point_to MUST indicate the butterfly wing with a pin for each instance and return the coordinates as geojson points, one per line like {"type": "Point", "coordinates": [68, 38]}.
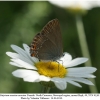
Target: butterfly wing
{"type": "Point", "coordinates": [47, 45]}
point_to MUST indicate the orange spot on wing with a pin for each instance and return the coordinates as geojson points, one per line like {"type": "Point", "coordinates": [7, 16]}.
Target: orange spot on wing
{"type": "Point", "coordinates": [32, 54]}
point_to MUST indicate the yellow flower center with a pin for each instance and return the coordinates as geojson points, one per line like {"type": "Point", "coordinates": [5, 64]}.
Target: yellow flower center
{"type": "Point", "coordinates": [77, 10]}
{"type": "Point", "coordinates": [51, 69]}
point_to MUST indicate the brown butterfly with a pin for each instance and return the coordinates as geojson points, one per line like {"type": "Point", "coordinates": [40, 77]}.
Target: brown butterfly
{"type": "Point", "coordinates": [47, 45]}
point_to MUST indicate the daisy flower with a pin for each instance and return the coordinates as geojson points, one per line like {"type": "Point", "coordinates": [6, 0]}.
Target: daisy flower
{"type": "Point", "coordinates": [78, 6]}
{"type": "Point", "coordinates": [33, 70]}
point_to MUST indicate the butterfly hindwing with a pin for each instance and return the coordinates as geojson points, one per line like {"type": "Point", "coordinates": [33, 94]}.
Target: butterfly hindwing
{"type": "Point", "coordinates": [47, 45]}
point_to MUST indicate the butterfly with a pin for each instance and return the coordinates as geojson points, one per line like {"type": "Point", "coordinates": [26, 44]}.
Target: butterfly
{"type": "Point", "coordinates": [47, 44]}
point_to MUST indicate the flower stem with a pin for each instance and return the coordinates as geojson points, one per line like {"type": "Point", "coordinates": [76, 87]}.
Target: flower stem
{"type": "Point", "coordinates": [46, 89]}
{"type": "Point", "coordinates": [84, 47]}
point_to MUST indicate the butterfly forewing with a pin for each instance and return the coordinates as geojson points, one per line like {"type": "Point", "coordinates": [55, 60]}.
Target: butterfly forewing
{"type": "Point", "coordinates": [47, 45]}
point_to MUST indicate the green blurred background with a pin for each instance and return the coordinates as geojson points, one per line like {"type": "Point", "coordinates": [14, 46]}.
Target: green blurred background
{"type": "Point", "coordinates": [20, 21]}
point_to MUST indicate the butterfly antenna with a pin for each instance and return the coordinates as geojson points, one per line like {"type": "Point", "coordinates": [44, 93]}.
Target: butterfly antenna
{"type": "Point", "coordinates": [59, 63]}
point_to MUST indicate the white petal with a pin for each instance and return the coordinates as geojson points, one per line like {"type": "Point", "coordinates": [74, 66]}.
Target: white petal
{"type": "Point", "coordinates": [19, 50]}
{"type": "Point", "coordinates": [15, 64]}
{"type": "Point", "coordinates": [56, 79]}
{"type": "Point", "coordinates": [35, 60]}
{"type": "Point", "coordinates": [65, 59]}
{"type": "Point", "coordinates": [81, 4]}
{"type": "Point", "coordinates": [72, 82]}
{"type": "Point", "coordinates": [22, 73]}
{"type": "Point", "coordinates": [33, 77]}
{"type": "Point", "coordinates": [59, 83]}
{"type": "Point", "coordinates": [85, 72]}
{"type": "Point", "coordinates": [82, 70]}
{"type": "Point", "coordinates": [67, 79]}
{"type": "Point", "coordinates": [12, 55]}
{"type": "Point", "coordinates": [82, 80]}
{"type": "Point", "coordinates": [27, 60]}
{"type": "Point", "coordinates": [18, 56]}
{"type": "Point", "coordinates": [76, 61]}
{"type": "Point", "coordinates": [23, 55]}
{"type": "Point", "coordinates": [27, 75]}
{"type": "Point", "coordinates": [24, 64]}
{"type": "Point", "coordinates": [80, 75]}
{"type": "Point", "coordinates": [44, 78]}
{"type": "Point", "coordinates": [27, 49]}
